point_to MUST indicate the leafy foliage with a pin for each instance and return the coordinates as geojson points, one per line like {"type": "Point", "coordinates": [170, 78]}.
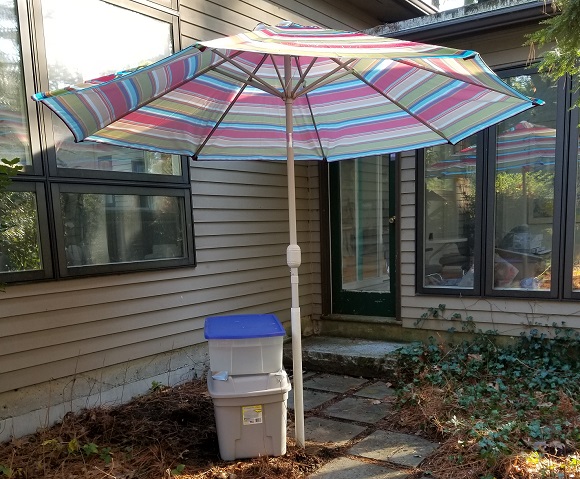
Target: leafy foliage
{"type": "Point", "coordinates": [508, 411]}
{"type": "Point", "coordinates": [6, 471]}
{"type": "Point", "coordinates": [8, 169]}
{"type": "Point", "coordinates": [562, 31]}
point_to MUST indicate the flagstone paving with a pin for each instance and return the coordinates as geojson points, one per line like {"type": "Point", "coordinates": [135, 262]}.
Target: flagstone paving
{"type": "Point", "coordinates": [322, 430]}
{"type": "Point", "coordinates": [378, 390]}
{"type": "Point", "coordinates": [345, 468]}
{"type": "Point", "coordinates": [343, 412]}
{"type": "Point", "coordinates": [359, 409]}
{"type": "Point", "coordinates": [403, 449]}
{"type": "Point", "coordinates": [334, 383]}
{"type": "Point", "coordinates": [312, 399]}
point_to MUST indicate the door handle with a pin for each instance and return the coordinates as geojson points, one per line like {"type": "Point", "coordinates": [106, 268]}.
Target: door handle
{"type": "Point", "coordinates": [392, 219]}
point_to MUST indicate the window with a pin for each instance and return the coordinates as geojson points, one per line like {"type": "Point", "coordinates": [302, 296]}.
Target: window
{"type": "Point", "coordinates": [572, 265]}
{"type": "Point", "coordinates": [494, 207]}
{"type": "Point", "coordinates": [103, 229]}
{"type": "Point", "coordinates": [14, 133]}
{"type": "Point", "coordinates": [450, 224]}
{"type": "Point", "coordinates": [85, 208]}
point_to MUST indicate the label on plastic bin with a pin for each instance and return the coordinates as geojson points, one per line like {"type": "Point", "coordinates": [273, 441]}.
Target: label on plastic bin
{"type": "Point", "coordinates": [251, 415]}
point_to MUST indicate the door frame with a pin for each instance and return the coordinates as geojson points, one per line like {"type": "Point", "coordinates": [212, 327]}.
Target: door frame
{"type": "Point", "coordinates": [335, 299]}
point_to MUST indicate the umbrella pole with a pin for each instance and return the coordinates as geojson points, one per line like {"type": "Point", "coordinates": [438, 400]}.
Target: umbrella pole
{"type": "Point", "coordinates": [293, 258]}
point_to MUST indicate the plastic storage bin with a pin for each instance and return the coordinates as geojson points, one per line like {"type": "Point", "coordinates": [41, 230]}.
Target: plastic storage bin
{"type": "Point", "coordinates": [245, 344]}
{"type": "Point", "coordinates": [250, 414]}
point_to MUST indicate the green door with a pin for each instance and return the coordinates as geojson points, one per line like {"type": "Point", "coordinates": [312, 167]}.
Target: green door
{"type": "Point", "coordinates": [362, 236]}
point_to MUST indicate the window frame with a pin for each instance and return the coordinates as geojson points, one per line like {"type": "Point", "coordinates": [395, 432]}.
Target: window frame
{"type": "Point", "coordinates": [562, 106]}
{"type": "Point", "coordinates": [43, 232]}
{"type": "Point", "coordinates": [128, 266]}
{"type": "Point", "coordinates": [420, 231]}
{"type": "Point", "coordinates": [573, 156]}
{"type": "Point", "coordinates": [566, 164]}
{"type": "Point", "coordinates": [89, 174]}
{"type": "Point", "coordinates": [47, 180]}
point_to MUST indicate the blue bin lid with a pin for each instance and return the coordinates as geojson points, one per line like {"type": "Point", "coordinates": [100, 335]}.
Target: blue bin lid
{"type": "Point", "coordinates": [243, 326]}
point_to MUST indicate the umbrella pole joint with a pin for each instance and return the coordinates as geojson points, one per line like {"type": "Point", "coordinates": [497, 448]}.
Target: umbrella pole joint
{"type": "Point", "coordinates": [293, 256]}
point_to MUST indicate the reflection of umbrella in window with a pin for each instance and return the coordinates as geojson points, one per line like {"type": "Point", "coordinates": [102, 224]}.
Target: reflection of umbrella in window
{"type": "Point", "coordinates": [524, 146]}
{"type": "Point", "coordinates": [13, 132]}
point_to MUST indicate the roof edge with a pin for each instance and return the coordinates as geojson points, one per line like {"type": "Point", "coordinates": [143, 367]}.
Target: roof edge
{"type": "Point", "coordinates": [469, 19]}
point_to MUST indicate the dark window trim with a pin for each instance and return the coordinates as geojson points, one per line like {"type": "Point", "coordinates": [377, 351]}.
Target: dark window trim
{"type": "Point", "coordinates": [420, 230]}
{"type": "Point", "coordinates": [28, 77]}
{"type": "Point", "coordinates": [571, 194]}
{"type": "Point", "coordinates": [45, 250]}
{"type": "Point", "coordinates": [561, 121]}
{"type": "Point", "coordinates": [65, 271]}
{"type": "Point", "coordinates": [564, 210]}
{"type": "Point", "coordinates": [88, 174]}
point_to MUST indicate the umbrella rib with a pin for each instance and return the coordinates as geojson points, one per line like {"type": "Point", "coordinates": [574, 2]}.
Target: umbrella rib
{"type": "Point", "coordinates": [282, 83]}
{"type": "Point", "coordinates": [257, 81]}
{"type": "Point", "coordinates": [382, 93]}
{"type": "Point", "coordinates": [302, 74]}
{"type": "Point", "coordinates": [227, 110]}
{"type": "Point", "coordinates": [329, 78]}
{"type": "Point", "coordinates": [249, 82]}
{"type": "Point", "coordinates": [302, 78]}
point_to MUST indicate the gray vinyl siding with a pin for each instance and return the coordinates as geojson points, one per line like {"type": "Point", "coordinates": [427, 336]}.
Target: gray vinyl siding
{"type": "Point", "coordinates": [507, 316]}
{"type": "Point", "coordinates": [56, 329]}
{"type": "Point", "coordinates": [203, 19]}
{"type": "Point", "coordinates": [59, 329]}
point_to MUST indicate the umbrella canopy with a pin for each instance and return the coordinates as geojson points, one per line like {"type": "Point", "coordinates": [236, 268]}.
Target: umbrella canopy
{"type": "Point", "coordinates": [292, 92]}
{"type": "Point", "coordinates": [347, 90]}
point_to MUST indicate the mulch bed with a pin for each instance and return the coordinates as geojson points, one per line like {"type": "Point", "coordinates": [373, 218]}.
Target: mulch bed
{"type": "Point", "coordinates": [169, 432]}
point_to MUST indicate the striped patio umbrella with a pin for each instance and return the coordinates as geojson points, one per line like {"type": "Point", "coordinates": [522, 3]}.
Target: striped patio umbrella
{"type": "Point", "coordinates": [292, 92]}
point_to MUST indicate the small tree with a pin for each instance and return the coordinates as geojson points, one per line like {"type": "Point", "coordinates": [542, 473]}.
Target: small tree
{"type": "Point", "coordinates": [560, 30]}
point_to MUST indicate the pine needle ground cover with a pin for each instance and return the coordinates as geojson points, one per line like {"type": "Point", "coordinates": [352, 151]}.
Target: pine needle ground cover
{"type": "Point", "coordinates": [166, 433]}
{"type": "Point", "coordinates": [505, 412]}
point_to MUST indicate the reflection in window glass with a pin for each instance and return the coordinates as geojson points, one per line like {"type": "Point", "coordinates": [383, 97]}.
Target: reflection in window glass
{"type": "Point", "coordinates": [132, 40]}
{"type": "Point", "coordinates": [524, 183]}
{"type": "Point", "coordinates": [450, 215]}
{"type": "Point", "coordinates": [14, 136]}
{"type": "Point", "coordinates": [19, 235]}
{"type": "Point", "coordinates": [104, 228]}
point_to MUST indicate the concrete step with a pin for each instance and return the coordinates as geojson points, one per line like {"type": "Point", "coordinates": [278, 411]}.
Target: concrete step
{"type": "Point", "coordinates": [352, 357]}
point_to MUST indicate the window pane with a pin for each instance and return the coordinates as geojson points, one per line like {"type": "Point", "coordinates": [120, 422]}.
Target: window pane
{"type": "Point", "coordinates": [131, 39]}
{"type": "Point", "coordinates": [576, 264]}
{"type": "Point", "coordinates": [14, 135]}
{"type": "Point", "coordinates": [113, 228]}
{"type": "Point", "coordinates": [364, 192]}
{"type": "Point", "coordinates": [524, 183]}
{"type": "Point", "coordinates": [19, 235]}
{"type": "Point", "coordinates": [450, 215]}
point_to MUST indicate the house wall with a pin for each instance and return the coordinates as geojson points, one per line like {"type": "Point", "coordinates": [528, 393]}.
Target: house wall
{"type": "Point", "coordinates": [507, 316]}
{"type": "Point", "coordinates": [100, 340]}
